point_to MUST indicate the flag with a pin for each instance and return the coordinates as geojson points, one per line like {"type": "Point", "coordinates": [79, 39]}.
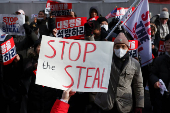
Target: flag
{"type": "Point", "coordinates": [112, 14]}
{"type": "Point", "coordinates": [138, 25]}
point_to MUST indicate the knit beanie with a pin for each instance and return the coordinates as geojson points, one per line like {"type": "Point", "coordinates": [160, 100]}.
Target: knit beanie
{"type": "Point", "coordinates": [121, 39]}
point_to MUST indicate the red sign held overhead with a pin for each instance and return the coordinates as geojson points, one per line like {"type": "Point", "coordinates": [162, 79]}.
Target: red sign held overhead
{"type": "Point", "coordinates": [7, 51]}
{"type": "Point", "coordinates": [58, 9]}
{"type": "Point", "coordinates": [71, 28]}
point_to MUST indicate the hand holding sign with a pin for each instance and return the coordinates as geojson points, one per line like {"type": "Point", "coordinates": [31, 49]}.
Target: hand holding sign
{"type": "Point", "coordinates": [83, 65]}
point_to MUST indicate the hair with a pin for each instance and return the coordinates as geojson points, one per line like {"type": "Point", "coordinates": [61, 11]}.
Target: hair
{"type": "Point", "coordinates": [96, 25]}
{"type": "Point", "coordinates": [74, 14]}
{"type": "Point", "coordinates": [43, 11]}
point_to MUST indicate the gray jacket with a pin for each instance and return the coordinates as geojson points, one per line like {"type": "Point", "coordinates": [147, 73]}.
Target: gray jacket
{"type": "Point", "coordinates": [120, 90]}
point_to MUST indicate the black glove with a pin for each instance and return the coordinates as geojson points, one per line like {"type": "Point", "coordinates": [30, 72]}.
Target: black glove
{"type": "Point", "coordinates": [27, 29]}
{"type": "Point", "coordinates": [88, 28]}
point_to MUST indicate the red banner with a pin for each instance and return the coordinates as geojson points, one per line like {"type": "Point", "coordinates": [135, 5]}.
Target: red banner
{"type": "Point", "coordinates": [58, 9]}
{"type": "Point", "coordinates": [161, 49]}
{"type": "Point", "coordinates": [160, 1]}
{"type": "Point", "coordinates": [71, 28]}
{"type": "Point", "coordinates": [7, 51]}
{"type": "Point", "coordinates": [95, 18]}
{"type": "Point", "coordinates": [121, 11]}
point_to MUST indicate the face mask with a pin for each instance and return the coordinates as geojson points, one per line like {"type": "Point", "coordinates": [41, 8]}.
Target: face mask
{"type": "Point", "coordinates": [105, 26]}
{"type": "Point", "coordinates": [120, 52]}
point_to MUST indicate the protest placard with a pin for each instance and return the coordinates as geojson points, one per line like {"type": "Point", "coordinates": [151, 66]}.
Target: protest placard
{"type": "Point", "coordinates": [7, 49]}
{"type": "Point", "coordinates": [85, 66]}
{"type": "Point", "coordinates": [58, 9]}
{"type": "Point", "coordinates": [71, 28]}
{"type": "Point", "coordinates": [12, 24]}
{"type": "Point", "coordinates": [161, 49]}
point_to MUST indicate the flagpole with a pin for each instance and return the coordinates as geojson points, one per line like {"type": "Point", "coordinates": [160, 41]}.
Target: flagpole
{"type": "Point", "coordinates": [122, 18]}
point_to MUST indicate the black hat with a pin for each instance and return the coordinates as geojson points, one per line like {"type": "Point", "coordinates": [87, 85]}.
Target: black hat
{"type": "Point", "coordinates": [167, 37]}
{"type": "Point", "coordinates": [101, 19]}
{"type": "Point", "coordinates": [34, 26]}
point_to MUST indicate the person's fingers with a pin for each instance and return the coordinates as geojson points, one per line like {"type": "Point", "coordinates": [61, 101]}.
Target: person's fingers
{"type": "Point", "coordinates": [69, 89]}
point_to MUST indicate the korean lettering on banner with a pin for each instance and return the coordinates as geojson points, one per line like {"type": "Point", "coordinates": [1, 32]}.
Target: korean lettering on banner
{"type": "Point", "coordinates": [121, 11]}
{"type": "Point", "coordinates": [71, 28]}
{"type": "Point", "coordinates": [12, 24]}
{"type": "Point", "coordinates": [58, 9]}
{"type": "Point", "coordinates": [74, 63]}
{"type": "Point", "coordinates": [161, 49]}
{"type": "Point", "coordinates": [133, 47]}
{"type": "Point", "coordinates": [7, 52]}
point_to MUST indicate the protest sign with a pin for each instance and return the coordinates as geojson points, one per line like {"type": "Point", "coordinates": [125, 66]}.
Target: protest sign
{"type": "Point", "coordinates": [161, 49]}
{"type": "Point", "coordinates": [138, 25]}
{"type": "Point", "coordinates": [94, 18]}
{"type": "Point", "coordinates": [133, 47]}
{"type": "Point", "coordinates": [119, 12]}
{"type": "Point", "coordinates": [12, 24]}
{"type": "Point", "coordinates": [85, 66]}
{"type": "Point", "coordinates": [71, 28]}
{"type": "Point", "coordinates": [7, 49]}
{"type": "Point", "coordinates": [58, 9]}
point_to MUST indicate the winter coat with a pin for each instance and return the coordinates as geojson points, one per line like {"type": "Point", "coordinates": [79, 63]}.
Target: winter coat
{"type": "Point", "coordinates": [60, 107]}
{"type": "Point", "coordinates": [40, 98]}
{"type": "Point", "coordinates": [120, 90]}
{"type": "Point", "coordinates": [156, 20]}
{"type": "Point", "coordinates": [10, 81]}
{"type": "Point", "coordinates": [160, 70]}
{"type": "Point", "coordinates": [104, 34]}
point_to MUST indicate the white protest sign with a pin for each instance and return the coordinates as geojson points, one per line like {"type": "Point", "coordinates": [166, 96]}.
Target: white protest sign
{"type": "Point", "coordinates": [84, 65]}
{"type": "Point", "coordinates": [12, 24]}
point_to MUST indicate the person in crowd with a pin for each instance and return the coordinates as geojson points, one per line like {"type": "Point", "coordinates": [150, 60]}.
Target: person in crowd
{"type": "Point", "coordinates": [161, 70]}
{"type": "Point", "coordinates": [10, 85]}
{"type": "Point", "coordinates": [125, 75]}
{"type": "Point", "coordinates": [93, 31]}
{"type": "Point", "coordinates": [45, 25]}
{"type": "Point", "coordinates": [105, 28]}
{"type": "Point", "coordinates": [73, 14]}
{"type": "Point", "coordinates": [162, 24]}
{"type": "Point", "coordinates": [93, 13]}
{"type": "Point", "coordinates": [154, 47]}
{"type": "Point", "coordinates": [62, 106]}
{"type": "Point", "coordinates": [40, 98]}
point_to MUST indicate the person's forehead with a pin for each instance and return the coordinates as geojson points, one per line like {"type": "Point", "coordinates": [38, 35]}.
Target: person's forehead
{"type": "Point", "coordinates": [103, 22]}
{"type": "Point", "coordinates": [96, 30]}
{"type": "Point", "coordinates": [167, 40]}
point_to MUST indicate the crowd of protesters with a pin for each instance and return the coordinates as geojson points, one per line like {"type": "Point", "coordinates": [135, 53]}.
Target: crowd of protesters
{"type": "Point", "coordinates": [127, 78]}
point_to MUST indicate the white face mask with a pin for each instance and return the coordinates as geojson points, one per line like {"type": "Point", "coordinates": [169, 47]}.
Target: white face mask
{"type": "Point", "coordinates": [105, 26]}
{"type": "Point", "coordinates": [120, 52]}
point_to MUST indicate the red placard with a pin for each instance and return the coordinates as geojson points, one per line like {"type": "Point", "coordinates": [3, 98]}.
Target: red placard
{"type": "Point", "coordinates": [7, 51]}
{"type": "Point", "coordinates": [161, 49]}
{"type": "Point", "coordinates": [58, 9]}
{"type": "Point", "coordinates": [95, 18]}
{"type": "Point", "coordinates": [71, 28]}
{"type": "Point", "coordinates": [160, 1]}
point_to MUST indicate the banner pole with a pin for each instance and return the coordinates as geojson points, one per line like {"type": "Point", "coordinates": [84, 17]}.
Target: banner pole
{"type": "Point", "coordinates": [121, 19]}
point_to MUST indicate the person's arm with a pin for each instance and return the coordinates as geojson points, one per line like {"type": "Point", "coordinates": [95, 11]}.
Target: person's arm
{"type": "Point", "coordinates": [153, 78]}
{"type": "Point", "coordinates": [138, 89]}
{"type": "Point", "coordinates": [62, 106]}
